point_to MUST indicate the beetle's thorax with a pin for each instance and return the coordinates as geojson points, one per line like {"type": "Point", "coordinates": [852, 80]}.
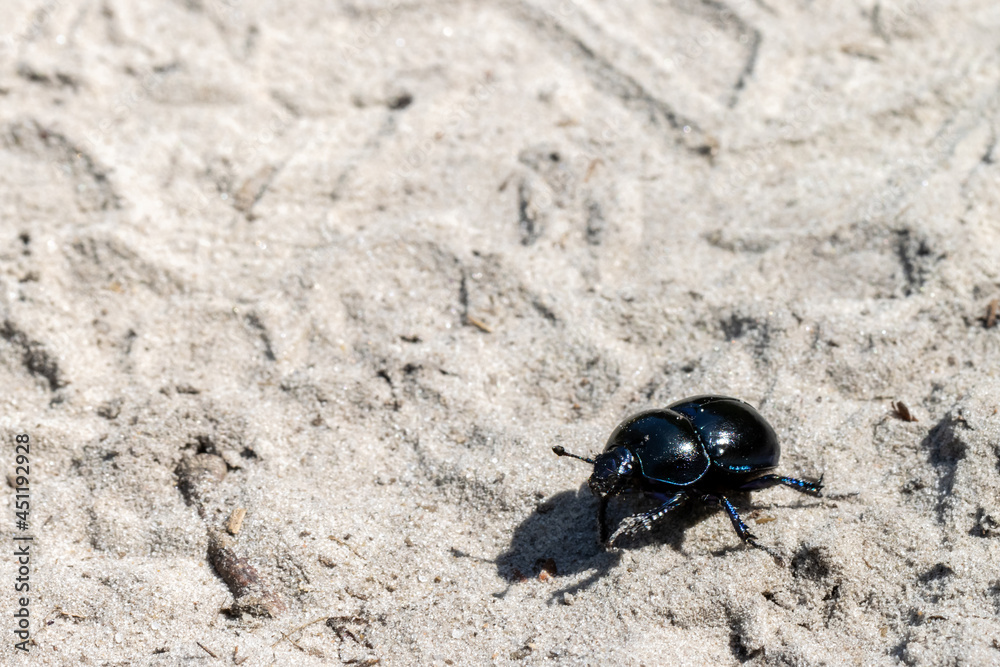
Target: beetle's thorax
{"type": "Point", "coordinates": [612, 471]}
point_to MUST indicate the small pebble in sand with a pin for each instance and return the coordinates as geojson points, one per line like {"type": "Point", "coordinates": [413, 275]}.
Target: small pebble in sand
{"type": "Point", "coordinates": [900, 410]}
{"type": "Point", "coordinates": [235, 521]}
{"type": "Point", "coordinates": [992, 311]}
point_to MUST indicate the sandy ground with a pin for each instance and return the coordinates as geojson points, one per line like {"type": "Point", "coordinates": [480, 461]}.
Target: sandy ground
{"type": "Point", "coordinates": [356, 267]}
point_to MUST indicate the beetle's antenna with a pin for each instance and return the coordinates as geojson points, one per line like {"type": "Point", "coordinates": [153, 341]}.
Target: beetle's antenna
{"type": "Point", "coordinates": [562, 452]}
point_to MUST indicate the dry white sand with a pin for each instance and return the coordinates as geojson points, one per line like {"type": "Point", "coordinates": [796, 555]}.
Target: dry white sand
{"type": "Point", "coordinates": [357, 267]}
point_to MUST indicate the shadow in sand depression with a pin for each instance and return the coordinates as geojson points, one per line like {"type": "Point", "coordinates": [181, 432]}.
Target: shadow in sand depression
{"type": "Point", "coordinates": [561, 538]}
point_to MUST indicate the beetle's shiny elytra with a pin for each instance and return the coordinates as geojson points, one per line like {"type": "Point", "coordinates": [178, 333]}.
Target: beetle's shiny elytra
{"type": "Point", "coordinates": [701, 447]}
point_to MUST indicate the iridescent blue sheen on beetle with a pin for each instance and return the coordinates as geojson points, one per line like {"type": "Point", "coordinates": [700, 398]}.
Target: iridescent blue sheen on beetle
{"type": "Point", "coordinates": [699, 448]}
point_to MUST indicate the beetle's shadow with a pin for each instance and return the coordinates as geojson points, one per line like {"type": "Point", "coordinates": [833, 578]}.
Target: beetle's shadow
{"type": "Point", "coordinates": [562, 537]}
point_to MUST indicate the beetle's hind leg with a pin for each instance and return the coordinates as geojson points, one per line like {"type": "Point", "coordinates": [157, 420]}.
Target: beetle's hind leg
{"type": "Point", "coordinates": [813, 488]}
{"type": "Point", "coordinates": [742, 530]}
{"type": "Point", "coordinates": [643, 522]}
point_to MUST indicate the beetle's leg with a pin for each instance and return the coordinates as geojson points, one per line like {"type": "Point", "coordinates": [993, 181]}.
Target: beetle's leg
{"type": "Point", "coordinates": [643, 522]}
{"type": "Point", "coordinates": [602, 518]}
{"type": "Point", "coordinates": [813, 488]}
{"type": "Point", "coordinates": [743, 531]}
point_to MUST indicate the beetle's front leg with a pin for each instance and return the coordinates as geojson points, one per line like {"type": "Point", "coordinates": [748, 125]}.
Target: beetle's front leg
{"type": "Point", "coordinates": [642, 523]}
{"type": "Point", "coordinates": [602, 510]}
{"type": "Point", "coordinates": [602, 518]}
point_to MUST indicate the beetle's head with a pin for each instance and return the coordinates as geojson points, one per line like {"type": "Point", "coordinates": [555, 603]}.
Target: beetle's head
{"type": "Point", "coordinates": [612, 471]}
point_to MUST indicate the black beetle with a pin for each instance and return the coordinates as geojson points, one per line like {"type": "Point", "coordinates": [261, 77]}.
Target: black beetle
{"type": "Point", "coordinates": [701, 447]}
